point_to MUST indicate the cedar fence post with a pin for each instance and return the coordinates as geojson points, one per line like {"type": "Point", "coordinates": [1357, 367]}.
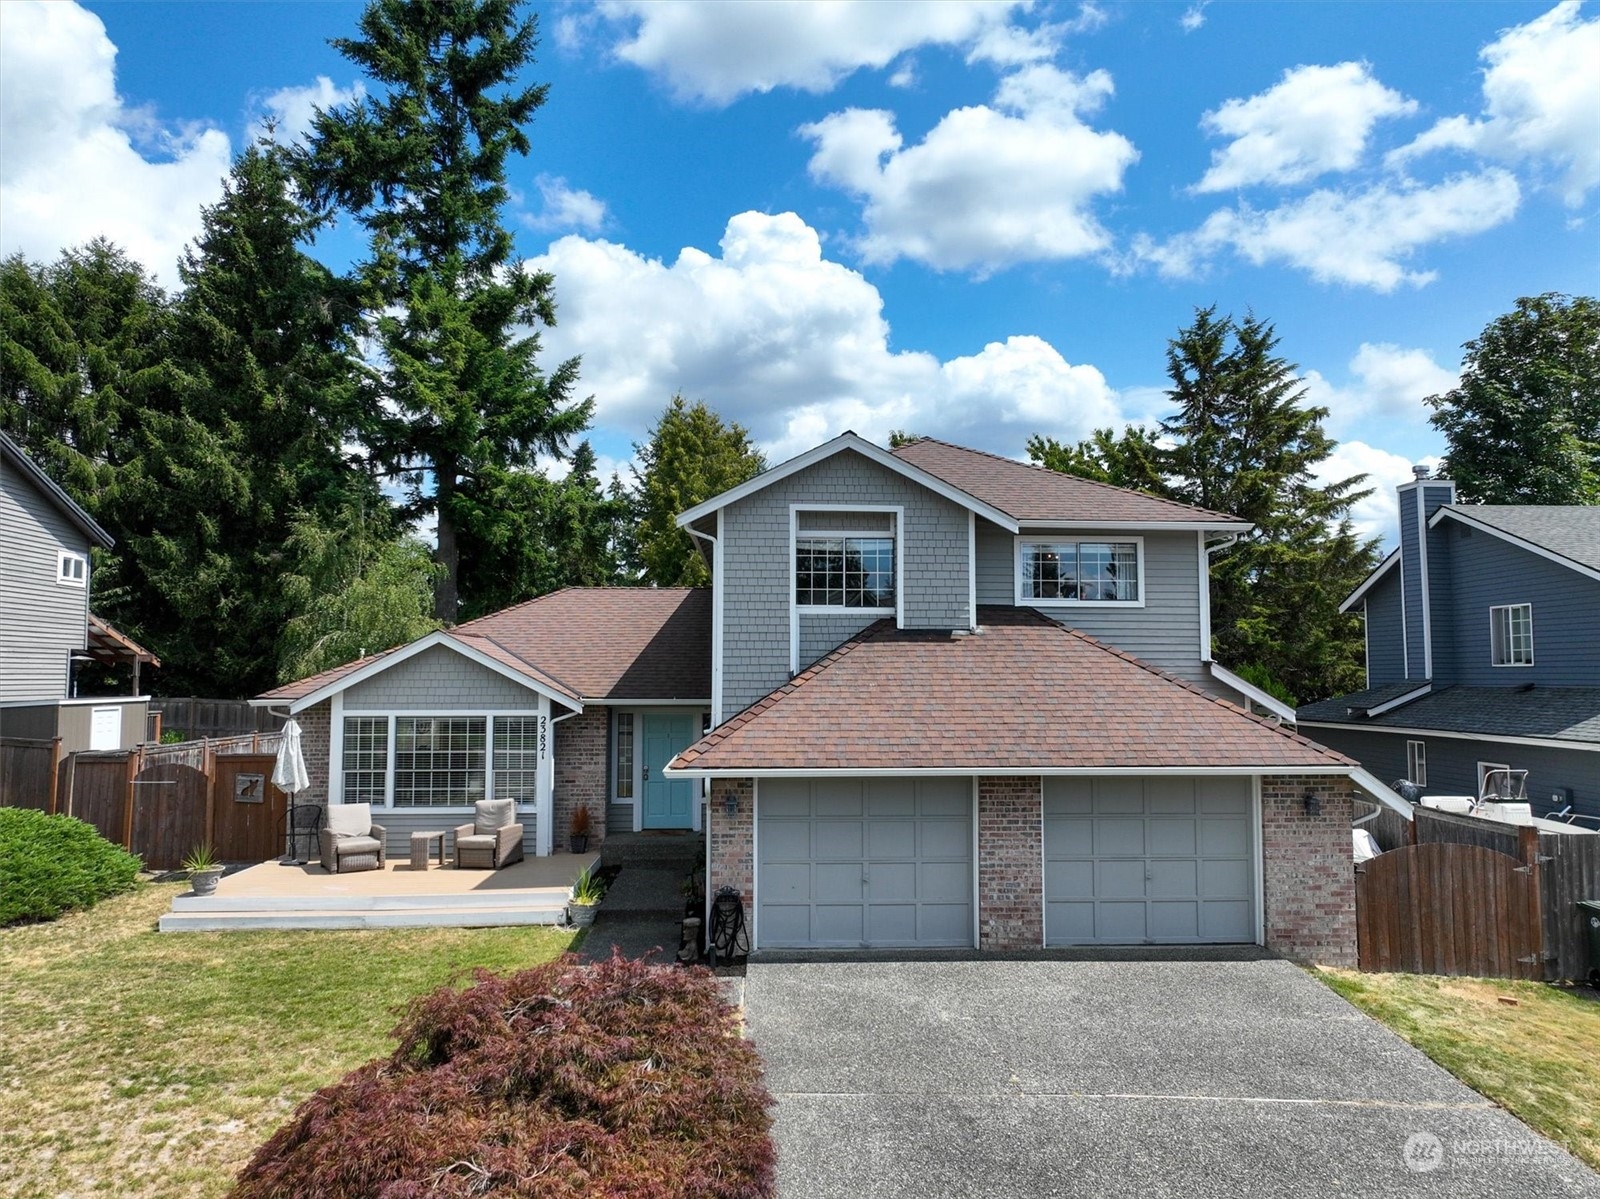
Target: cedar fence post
{"type": "Point", "coordinates": [55, 773]}
{"type": "Point", "coordinates": [127, 803]}
{"type": "Point", "coordinates": [1528, 851]}
{"type": "Point", "coordinates": [208, 767]}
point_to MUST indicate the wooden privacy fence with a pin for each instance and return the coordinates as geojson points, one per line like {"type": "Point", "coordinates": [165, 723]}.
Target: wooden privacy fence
{"type": "Point", "coordinates": [28, 771]}
{"type": "Point", "coordinates": [1444, 899]}
{"type": "Point", "coordinates": [197, 718]}
{"type": "Point", "coordinates": [161, 801]}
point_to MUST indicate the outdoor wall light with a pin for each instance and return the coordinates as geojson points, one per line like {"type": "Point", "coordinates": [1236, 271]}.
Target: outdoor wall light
{"type": "Point", "coordinates": [1313, 803]}
{"type": "Point", "coordinates": [730, 805]}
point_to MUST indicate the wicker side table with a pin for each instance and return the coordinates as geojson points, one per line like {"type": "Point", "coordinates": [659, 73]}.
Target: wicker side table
{"type": "Point", "coordinates": [422, 845]}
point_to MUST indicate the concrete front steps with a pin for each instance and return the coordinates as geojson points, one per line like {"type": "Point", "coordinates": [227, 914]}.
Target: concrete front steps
{"type": "Point", "coordinates": [490, 909]}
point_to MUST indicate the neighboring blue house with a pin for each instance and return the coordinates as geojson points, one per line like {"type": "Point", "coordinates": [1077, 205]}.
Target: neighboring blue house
{"type": "Point", "coordinates": [1483, 650]}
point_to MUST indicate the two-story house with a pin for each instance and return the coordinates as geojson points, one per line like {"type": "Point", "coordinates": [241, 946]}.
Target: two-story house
{"type": "Point", "coordinates": [932, 698]}
{"type": "Point", "coordinates": [46, 627]}
{"type": "Point", "coordinates": [1483, 651]}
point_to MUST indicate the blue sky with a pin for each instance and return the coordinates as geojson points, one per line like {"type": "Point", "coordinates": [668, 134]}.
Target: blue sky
{"type": "Point", "coordinates": [974, 220]}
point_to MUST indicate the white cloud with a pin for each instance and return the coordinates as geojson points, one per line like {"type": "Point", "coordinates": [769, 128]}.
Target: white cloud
{"type": "Point", "coordinates": [1541, 94]}
{"type": "Point", "coordinates": [1193, 17]}
{"type": "Point", "coordinates": [1379, 514]}
{"type": "Point", "coordinates": [1387, 383]}
{"type": "Point", "coordinates": [989, 186]}
{"type": "Point", "coordinates": [565, 207]}
{"type": "Point", "coordinates": [291, 110]}
{"type": "Point", "coordinates": [71, 170]}
{"type": "Point", "coordinates": [795, 347]}
{"type": "Point", "coordinates": [1314, 120]}
{"type": "Point", "coordinates": [715, 53]}
{"type": "Point", "coordinates": [1360, 238]}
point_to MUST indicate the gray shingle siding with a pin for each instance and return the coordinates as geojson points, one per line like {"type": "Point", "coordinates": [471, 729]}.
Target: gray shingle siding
{"type": "Point", "coordinates": [1453, 764]}
{"type": "Point", "coordinates": [756, 568]}
{"type": "Point", "coordinates": [1165, 632]}
{"type": "Point", "coordinates": [44, 621]}
{"type": "Point", "coordinates": [820, 635]}
{"type": "Point", "coordinates": [1385, 643]}
{"type": "Point", "coordinates": [1566, 613]}
{"type": "Point", "coordinates": [439, 680]}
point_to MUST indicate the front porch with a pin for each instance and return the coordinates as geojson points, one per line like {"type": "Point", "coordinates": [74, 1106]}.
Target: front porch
{"type": "Point", "coordinates": [273, 895]}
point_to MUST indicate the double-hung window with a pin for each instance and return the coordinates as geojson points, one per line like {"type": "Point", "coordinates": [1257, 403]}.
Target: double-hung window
{"type": "Point", "coordinates": [1417, 762]}
{"type": "Point", "coordinates": [72, 569]}
{"type": "Point", "coordinates": [1511, 635]}
{"type": "Point", "coordinates": [845, 560]}
{"type": "Point", "coordinates": [1062, 571]}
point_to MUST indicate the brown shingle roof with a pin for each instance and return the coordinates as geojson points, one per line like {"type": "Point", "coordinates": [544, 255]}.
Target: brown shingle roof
{"type": "Point", "coordinates": [597, 643]}
{"type": "Point", "coordinates": [1024, 694]}
{"type": "Point", "coordinates": [1033, 494]}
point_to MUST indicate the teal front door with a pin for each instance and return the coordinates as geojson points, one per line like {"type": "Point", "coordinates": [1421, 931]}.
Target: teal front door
{"type": "Point", "coordinates": [668, 803]}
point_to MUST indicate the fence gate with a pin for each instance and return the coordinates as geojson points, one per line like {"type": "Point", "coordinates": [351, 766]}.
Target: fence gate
{"type": "Point", "coordinates": [169, 814]}
{"type": "Point", "coordinates": [250, 811]}
{"type": "Point", "coordinates": [1442, 908]}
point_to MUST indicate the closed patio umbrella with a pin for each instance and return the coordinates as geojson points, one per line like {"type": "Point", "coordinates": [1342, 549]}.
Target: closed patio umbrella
{"type": "Point", "coordinates": [289, 774]}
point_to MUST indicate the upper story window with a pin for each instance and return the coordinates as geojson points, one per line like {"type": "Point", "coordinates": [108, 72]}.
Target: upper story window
{"type": "Point", "coordinates": [1511, 635]}
{"type": "Point", "coordinates": [845, 560]}
{"type": "Point", "coordinates": [72, 569]}
{"type": "Point", "coordinates": [1060, 571]}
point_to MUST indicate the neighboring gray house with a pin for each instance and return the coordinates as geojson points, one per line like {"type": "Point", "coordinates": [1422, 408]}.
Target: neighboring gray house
{"type": "Point", "coordinates": [932, 698]}
{"type": "Point", "coordinates": [1483, 650]}
{"type": "Point", "coordinates": [46, 628]}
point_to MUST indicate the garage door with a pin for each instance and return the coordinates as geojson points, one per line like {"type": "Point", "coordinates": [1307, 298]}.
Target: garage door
{"type": "Point", "coordinates": [1149, 861]}
{"type": "Point", "coordinates": [863, 862]}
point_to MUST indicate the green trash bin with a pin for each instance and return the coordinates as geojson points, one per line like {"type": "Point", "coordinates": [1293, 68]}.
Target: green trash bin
{"type": "Point", "coordinates": [1589, 909]}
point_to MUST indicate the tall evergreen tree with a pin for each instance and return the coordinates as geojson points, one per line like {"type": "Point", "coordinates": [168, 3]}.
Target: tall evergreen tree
{"type": "Point", "coordinates": [691, 455]}
{"type": "Point", "coordinates": [457, 405]}
{"type": "Point", "coordinates": [1132, 459]}
{"type": "Point", "coordinates": [1523, 425]}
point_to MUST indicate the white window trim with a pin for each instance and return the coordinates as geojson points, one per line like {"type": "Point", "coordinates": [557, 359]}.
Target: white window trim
{"type": "Point", "coordinates": [1417, 762]}
{"type": "Point", "coordinates": [1484, 768]}
{"type": "Point", "coordinates": [336, 751]}
{"type": "Point", "coordinates": [63, 559]}
{"type": "Point", "coordinates": [1021, 543]}
{"type": "Point", "coordinates": [1508, 608]}
{"type": "Point", "coordinates": [796, 611]}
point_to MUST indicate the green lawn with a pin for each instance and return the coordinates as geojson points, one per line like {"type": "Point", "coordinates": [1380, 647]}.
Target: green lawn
{"type": "Point", "coordinates": [139, 1064]}
{"type": "Point", "coordinates": [1537, 1057]}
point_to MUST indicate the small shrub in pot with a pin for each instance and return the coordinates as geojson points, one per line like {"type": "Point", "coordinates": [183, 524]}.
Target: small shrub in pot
{"type": "Point", "coordinates": [580, 829]}
{"type": "Point", "coordinates": [204, 870]}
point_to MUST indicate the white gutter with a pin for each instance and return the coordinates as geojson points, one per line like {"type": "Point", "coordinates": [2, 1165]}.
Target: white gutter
{"type": "Point", "coordinates": [1265, 699]}
{"type": "Point", "coordinates": [545, 833]}
{"type": "Point", "coordinates": [1207, 548]}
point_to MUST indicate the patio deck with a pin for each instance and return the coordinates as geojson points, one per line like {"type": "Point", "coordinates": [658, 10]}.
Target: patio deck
{"type": "Point", "coordinates": [273, 895]}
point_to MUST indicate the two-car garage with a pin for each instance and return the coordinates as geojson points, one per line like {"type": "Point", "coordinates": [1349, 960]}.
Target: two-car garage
{"type": "Point", "coordinates": [888, 862]}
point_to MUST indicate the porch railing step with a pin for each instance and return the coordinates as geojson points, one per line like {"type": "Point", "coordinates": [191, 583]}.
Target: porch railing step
{"type": "Point", "coordinates": [522, 898]}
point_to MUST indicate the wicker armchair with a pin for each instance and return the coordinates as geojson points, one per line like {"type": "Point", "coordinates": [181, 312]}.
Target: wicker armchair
{"type": "Point", "coordinates": [493, 839]}
{"type": "Point", "coordinates": [350, 841]}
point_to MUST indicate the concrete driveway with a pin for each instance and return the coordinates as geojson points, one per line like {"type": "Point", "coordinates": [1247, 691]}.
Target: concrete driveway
{"type": "Point", "coordinates": [939, 1080]}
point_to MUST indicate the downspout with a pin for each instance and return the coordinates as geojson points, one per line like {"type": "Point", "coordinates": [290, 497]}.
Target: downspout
{"type": "Point", "coordinates": [716, 703]}
{"type": "Point", "coordinates": [1208, 548]}
{"type": "Point", "coordinates": [555, 720]}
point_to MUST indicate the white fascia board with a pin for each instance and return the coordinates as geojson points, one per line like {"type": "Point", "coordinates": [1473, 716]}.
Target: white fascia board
{"type": "Point", "coordinates": [1453, 735]}
{"type": "Point", "coordinates": [610, 701]}
{"type": "Point", "coordinates": [1003, 771]}
{"type": "Point", "coordinates": [1465, 517]}
{"type": "Point", "coordinates": [1128, 526]}
{"type": "Point", "coordinates": [1400, 701]}
{"type": "Point", "coordinates": [78, 701]}
{"type": "Point", "coordinates": [1270, 702]}
{"type": "Point", "coordinates": [849, 441]}
{"type": "Point", "coordinates": [1369, 783]}
{"type": "Point", "coordinates": [439, 637]}
{"type": "Point", "coordinates": [1360, 593]}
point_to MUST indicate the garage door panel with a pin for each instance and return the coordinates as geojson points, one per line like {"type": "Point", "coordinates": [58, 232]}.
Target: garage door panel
{"type": "Point", "coordinates": [1115, 879]}
{"type": "Point", "coordinates": [845, 802]}
{"type": "Point", "coordinates": [791, 801]}
{"type": "Point", "coordinates": [1228, 920]}
{"type": "Point", "coordinates": [1175, 921]}
{"type": "Point", "coordinates": [892, 924]}
{"type": "Point", "coordinates": [891, 797]}
{"type": "Point", "coordinates": [891, 839]}
{"type": "Point", "coordinates": [786, 840]}
{"type": "Point", "coordinates": [944, 924]}
{"type": "Point", "coordinates": [948, 882]}
{"type": "Point", "coordinates": [838, 881]}
{"type": "Point", "coordinates": [891, 881]}
{"type": "Point", "coordinates": [785, 924]}
{"type": "Point", "coordinates": [834, 839]}
{"type": "Point", "coordinates": [1069, 880]}
{"type": "Point", "coordinates": [1157, 859]}
{"type": "Point", "coordinates": [1173, 837]}
{"type": "Point", "coordinates": [839, 924]}
{"type": "Point", "coordinates": [787, 882]}
{"type": "Point", "coordinates": [945, 797]}
{"type": "Point", "coordinates": [1176, 879]}
{"type": "Point", "coordinates": [945, 839]}
{"type": "Point", "coordinates": [1115, 835]}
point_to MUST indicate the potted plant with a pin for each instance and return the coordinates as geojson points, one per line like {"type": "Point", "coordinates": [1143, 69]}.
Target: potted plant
{"type": "Point", "coordinates": [587, 892]}
{"type": "Point", "coordinates": [580, 829]}
{"type": "Point", "coordinates": [204, 869]}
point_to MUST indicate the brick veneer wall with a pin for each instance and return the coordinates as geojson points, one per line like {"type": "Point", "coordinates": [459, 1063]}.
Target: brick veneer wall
{"type": "Point", "coordinates": [1010, 866]}
{"type": "Point", "coordinates": [1309, 879]}
{"type": "Point", "coordinates": [581, 748]}
{"type": "Point", "coordinates": [733, 840]}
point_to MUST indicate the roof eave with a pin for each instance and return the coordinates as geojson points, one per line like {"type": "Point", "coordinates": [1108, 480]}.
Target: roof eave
{"type": "Point", "coordinates": [1360, 593]}
{"type": "Point", "coordinates": [964, 771]}
{"type": "Point", "coordinates": [56, 495]}
{"type": "Point", "coordinates": [1456, 512]}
